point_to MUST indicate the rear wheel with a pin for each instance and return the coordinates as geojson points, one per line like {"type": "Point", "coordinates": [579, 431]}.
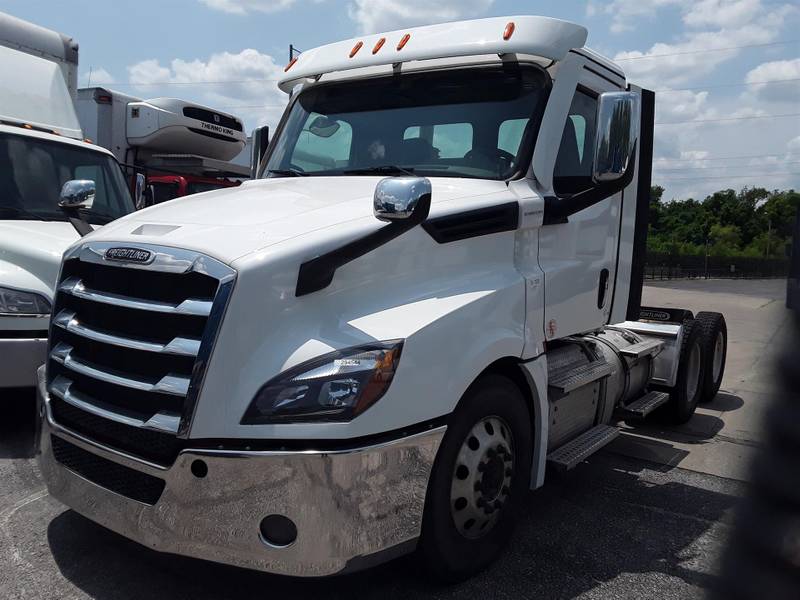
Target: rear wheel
{"type": "Point", "coordinates": [479, 479]}
{"type": "Point", "coordinates": [715, 350]}
{"type": "Point", "coordinates": [688, 385]}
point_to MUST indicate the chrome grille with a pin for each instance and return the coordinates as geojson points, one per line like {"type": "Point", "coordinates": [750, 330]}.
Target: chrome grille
{"type": "Point", "coordinates": [129, 342]}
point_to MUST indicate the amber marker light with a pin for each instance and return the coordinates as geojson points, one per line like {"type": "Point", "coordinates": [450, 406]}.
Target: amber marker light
{"type": "Point", "coordinates": [509, 31]}
{"type": "Point", "coordinates": [355, 49]}
{"type": "Point", "coordinates": [290, 65]}
{"type": "Point", "coordinates": [403, 41]}
{"type": "Point", "coordinates": [379, 45]}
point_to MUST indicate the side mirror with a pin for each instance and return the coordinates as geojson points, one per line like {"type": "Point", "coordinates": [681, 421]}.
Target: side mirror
{"type": "Point", "coordinates": [618, 116]}
{"type": "Point", "coordinates": [260, 143]}
{"type": "Point", "coordinates": [77, 194]}
{"type": "Point", "coordinates": [402, 198]}
{"type": "Point", "coordinates": [139, 194]}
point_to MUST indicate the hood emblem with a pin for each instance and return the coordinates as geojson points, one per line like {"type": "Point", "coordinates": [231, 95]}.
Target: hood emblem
{"type": "Point", "coordinates": [136, 255]}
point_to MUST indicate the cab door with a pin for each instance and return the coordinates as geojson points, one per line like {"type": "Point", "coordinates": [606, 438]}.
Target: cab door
{"type": "Point", "coordinates": [578, 255]}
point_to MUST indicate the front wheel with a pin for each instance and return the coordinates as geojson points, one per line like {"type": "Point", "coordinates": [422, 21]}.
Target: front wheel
{"type": "Point", "coordinates": [479, 479]}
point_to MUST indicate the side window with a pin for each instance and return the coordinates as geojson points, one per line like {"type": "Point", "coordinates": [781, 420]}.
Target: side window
{"type": "Point", "coordinates": [453, 140]}
{"type": "Point", "coordinates": [573, 169]}
{"type": "Point", "coordinates": [323, 144]}
{"type": "Point", "coordinates": [509, 136]}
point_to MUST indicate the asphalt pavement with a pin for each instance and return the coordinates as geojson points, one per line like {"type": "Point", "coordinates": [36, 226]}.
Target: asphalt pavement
{"type": "Point", "coordinates": [646, 518]}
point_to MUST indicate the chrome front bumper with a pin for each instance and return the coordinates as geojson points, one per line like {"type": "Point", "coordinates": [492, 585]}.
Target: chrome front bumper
{"type": "Point", "coordinates": [352, 508]}
{"type": "Point", "coordinates": [21, 358]}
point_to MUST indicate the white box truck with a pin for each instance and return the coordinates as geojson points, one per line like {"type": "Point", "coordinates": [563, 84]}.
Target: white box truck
{"type": "Point", "coordinates": [41, 149]}
{"type": "Point", "coordinates": [430, 293]}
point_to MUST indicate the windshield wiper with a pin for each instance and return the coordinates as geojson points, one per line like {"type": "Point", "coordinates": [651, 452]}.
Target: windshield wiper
{"type": "Point", "coordinates": [380, 170]}
{"type": "Point", "coordinates": [287, 172]}
{"type": "Point", "coordinates": [22, 212]}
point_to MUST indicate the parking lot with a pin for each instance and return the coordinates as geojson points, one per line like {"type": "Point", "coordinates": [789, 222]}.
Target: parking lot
{"type": "Point", "coordinates": [647, 517]}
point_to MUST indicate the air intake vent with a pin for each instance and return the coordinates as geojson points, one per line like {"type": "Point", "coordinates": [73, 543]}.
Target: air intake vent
{"type": "Point", "coordinates": [473, 223]}
{"type": "Point", "coordinates": [209, 116]}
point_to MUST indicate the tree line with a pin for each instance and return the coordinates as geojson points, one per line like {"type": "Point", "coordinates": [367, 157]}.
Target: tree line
{"type": "Point", "coordinates": [753, 222]}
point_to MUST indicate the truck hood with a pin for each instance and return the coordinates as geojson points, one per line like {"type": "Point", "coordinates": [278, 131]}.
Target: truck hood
{"type": "Point", "coordinates": [230, 223]}
{"type": "Point", "coordinates": [30, 253]}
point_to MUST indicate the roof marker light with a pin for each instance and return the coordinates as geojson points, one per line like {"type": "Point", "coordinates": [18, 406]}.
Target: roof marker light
{"type": "Point", "coordinates": [509, 31]}
{"type": "Point", "coordinates": [290, 65]}
{"type": "Point", "coordinates": [403, 41]}
{"type": "Point", "coordinates": [379, 45]}
{"type": "Point", "coordinates": [356, 48]}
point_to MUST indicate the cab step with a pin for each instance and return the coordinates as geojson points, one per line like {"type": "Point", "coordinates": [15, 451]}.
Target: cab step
{"type": "Point", "coordinates": [569, 455]}
{"type": "Point", "coordinates": [639, 409]}
{"type": "Point", "coordinates": [642, 349]}
{"type": "Point", "coordinates": [572, 379]}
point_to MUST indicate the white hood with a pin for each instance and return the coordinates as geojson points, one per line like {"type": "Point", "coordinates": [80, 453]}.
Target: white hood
{"type": "Point", "coordinates": [233, 222]}
{"type": "Point", "coordinates": [30, 253]}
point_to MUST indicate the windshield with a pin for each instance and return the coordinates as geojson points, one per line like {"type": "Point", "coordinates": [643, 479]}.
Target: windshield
{"type": "Point", "coordinates": [32, 172]}
{"type": "Point", "coordinates": [474, 122]}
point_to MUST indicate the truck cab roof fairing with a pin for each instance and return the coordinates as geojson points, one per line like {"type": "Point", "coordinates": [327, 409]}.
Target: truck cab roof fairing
{"type": "Point", "coordinates": [538, 36]}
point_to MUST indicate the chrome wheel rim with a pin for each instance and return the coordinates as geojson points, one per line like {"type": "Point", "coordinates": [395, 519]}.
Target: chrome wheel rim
{"type": "Point", "coordinates": [719, 349]}
{"type": "Point", "coordinates": [693, 372]}
{"type": "Point", "coordinates": [481, 481]}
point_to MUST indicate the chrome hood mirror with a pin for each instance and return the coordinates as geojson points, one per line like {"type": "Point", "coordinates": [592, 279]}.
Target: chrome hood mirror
{"type": "Point", "coordinates": [618, 116]}
{"type": "Point", "coordinates": [77, 193]}
{"type": "Point", "coordinates": [400, 198]}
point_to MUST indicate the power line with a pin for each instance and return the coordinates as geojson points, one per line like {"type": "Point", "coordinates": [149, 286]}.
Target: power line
{"type": "Point", "coordinates": [721, 157]}
{"type": "Point", "coordinates": [729, 119]}
{"type": "Point", "coordinates": [797, 162]}
{"type": "Point", "coordinates": [722, 85]}
{"type": "Point", "coordinates": [729, 176]}
{"type": "Point", "coordinates": [128, 83]}
{"type": "Point", "coordinates": [646, 56]}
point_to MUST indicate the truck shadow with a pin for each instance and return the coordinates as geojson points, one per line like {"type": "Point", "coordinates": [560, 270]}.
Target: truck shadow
{"type": "Point", "coordinates": [608, 520]}
{"type": "Point", "coordinates": [18, 425]}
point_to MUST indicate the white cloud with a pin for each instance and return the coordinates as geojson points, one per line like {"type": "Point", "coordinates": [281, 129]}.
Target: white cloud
{"type": "Point", "coordinates": [97, 76]}
{"type": "Point", "coordinates": [242, 7]}
{"type": "Point", "coordinates": [250, 92]}
{"type": "Point", "coordinates": [721, 13]}
{"type": "Point", "coordinates": [385, 15]}
{"type": "Point", "coordinates": [778, 70]}
{"type": "Point", "coordinates": [625, 12]}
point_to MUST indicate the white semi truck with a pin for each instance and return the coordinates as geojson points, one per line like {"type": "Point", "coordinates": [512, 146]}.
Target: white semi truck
{"type": "Point", "coordinates": [41, 149]}
{"type": "Point", "coordinates": [430, 293]}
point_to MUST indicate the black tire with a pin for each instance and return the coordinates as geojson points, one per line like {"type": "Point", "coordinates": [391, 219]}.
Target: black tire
{"type": "Point", "coordinates": [683, 401]}
{"type": "Point", "coordinates": [445, 552]}
{"type": "Point", "coordinates": [712, 325]}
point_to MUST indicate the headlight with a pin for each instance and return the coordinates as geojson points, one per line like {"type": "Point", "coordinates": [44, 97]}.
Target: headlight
{"type": "Point", "coordinates": [17, 302]}
{"type": "Point", "coordinates": [335, 387]}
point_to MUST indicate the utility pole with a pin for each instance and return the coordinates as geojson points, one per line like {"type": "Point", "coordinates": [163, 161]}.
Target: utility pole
{"type": "Point", "coordinates": [769, 236]}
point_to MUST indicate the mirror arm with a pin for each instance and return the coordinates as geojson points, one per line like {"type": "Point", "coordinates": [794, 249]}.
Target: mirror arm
{"type": "Point", "coordinates": [77, 221]}
{"type": "Point", "coordinates": [317, 273]}
{"type": "Point", "coordinates": [557, 210]}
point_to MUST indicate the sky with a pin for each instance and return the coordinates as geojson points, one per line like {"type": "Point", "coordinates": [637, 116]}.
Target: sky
{"type": "Point", "coordinates": [726, 72]}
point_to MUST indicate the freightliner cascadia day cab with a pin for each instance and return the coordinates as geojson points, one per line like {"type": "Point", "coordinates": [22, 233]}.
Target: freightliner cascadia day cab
{"type": "Point", "coordinates": [42, 157]}
{"type": "Point", "coordinates": [428, 294]}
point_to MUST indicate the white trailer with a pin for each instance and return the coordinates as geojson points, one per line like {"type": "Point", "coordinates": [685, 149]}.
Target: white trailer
{"type": "Point", "coordinates": [47, 44]}
{"type": "Point", "coordinates": [180, 145]}
{"type": "Point", "coordinates": [430, 294]}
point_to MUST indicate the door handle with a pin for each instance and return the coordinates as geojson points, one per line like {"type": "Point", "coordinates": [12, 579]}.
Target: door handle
{"type": "Point", "coordinates": [602, 288]}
